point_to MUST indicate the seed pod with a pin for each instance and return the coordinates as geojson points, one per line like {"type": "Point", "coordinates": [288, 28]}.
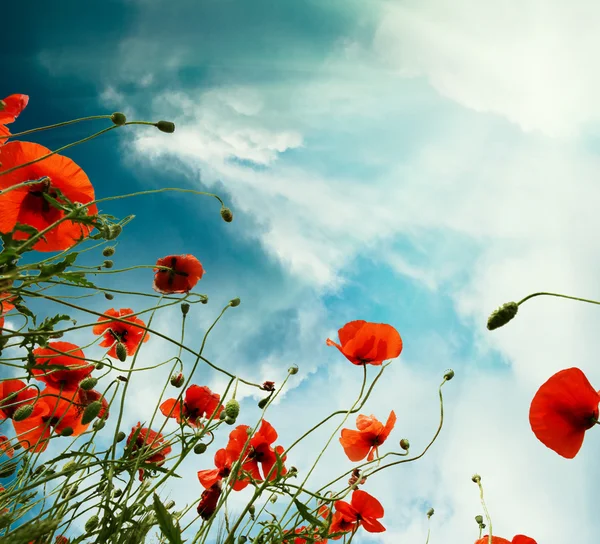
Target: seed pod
{"type": "Point", "coordinates": [90, 412]}
{"type": "Point", "coordinates": [479, 519]}
{"type": "Point", "coordinates": [23, 412]}
{"type": "Point", "coordinates": [121, 352]}
{"type": "Point", "coordinates": [232, 408]}
{"type": "Point", "coordinates": [476, 478]}
{"type": "Point", "coordinates": [226, 214]}
{"type": "Point", "coordinates": [108, 251]}
{"type": "Point", "coordinates": [263, 402]}
{"type": "Point", "coordinates": [200, 448]}
{"type": "Point", "coordinates": [430, 512]}
{"type": "Point", "coordinates": [108, 263]}
{"type": "Point", "coordinates": [118, 118]}
{"type": "Point", "coordinates": [88, 384]}
{"type": "Point", "coordinates": [166, 126]}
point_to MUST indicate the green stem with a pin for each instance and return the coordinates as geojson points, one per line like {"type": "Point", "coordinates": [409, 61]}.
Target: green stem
{"type": "Point", "coordinates": [56, 125]}
{"type": "Point", "coordinates": [557, 295]}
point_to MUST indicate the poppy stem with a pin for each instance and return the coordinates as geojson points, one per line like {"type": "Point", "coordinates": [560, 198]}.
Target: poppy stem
{"type": "Point", "coordinates": [24, 184]}
{"type": "Point", "coordinates": [558, 295]}
{"type": "Point", "coordinates": [485, 511]}
{"type": "Point", "coordinates": [56, 125]}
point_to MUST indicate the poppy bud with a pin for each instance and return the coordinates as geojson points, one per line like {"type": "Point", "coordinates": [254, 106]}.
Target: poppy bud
{"type": "Point", "coordinates": [170, 505]}
{"type": "Point", "coordinates": [91, 524]}
{"type": "Point", "coordinates": [99, 366]}
{"type": "Point", "coordinates": [479, 519]}
{"type": "Point", "coordinates": [121, 436]}
{"type": "Point", "coordinates": [234, 302]}
{"type": "Point", "coordinates": [273, 499]}
{"type": "Point", "coordinates": [88, 384]}
{"type": "Point", "coordinates": [8, 470]}
{"type": "Point", "coordinates": [263, 402]}
{"type": "Point", "coordinates": [108, 251]}
{"type": "Point", "coordinates": [71, 466]}
{"type": "Point", "coordinates": [232, 408]}
{"type": "Point", "coordinates": [108, 264]}
{"type": "Point", "coordinates": [502, 315]}
{"type": "Point", "coordinates": [430, 512]}
{"type": "Point", "coordinates": [230, 420]}
{"type": "Point", "coordinates": [99, 425]}
{"type": "Point", "coordinates": [293, 370]}
{"type": "Point", "coordinates": [242, 539]}
{"type": "Point", "coordinates": [226, 214]}
{"type": "Point", "coordinates": [449, 375]}
{"type": "Point", "coordinates": [252, 510]}
{"type": "Point", "coordinates": [67, 431]}
{"type": "Point", "coordinates": [121, 352]}
{"type": "Point", "coordinates": [118, 118]}
{"type": "Point", "coordinates": [23, 412]}
{"type": "Point", "coordinates": [204, 299]}
{"type": "Point", "coordinates": [166, 126]}
{"type": "Point", "coordinates": [113, 232]}
{"type": "Point", "coordinates": [268, 386]}
{"type": "Point", "coordinates": [222, 415]}
{"type": "Point", "coordinates": [90, 412]}
{"type": "Point", "coordinates": [405, 444]}
{"type": "Point", "coordinates": [185, 308]}
{"type": "Point", "coordinates": [476, 478]}
{"type": "Point", "coordinates": [200, 448]}
{"type": "Point", "coordinates": [177, 380]}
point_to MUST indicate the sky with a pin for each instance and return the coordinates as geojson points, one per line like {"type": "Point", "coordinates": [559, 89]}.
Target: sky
{"type": "Point", "coordinates": [415, 162]}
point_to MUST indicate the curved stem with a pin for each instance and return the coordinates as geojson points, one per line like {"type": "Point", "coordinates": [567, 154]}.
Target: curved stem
{"type": "Point", "coordinates": [557, 295]}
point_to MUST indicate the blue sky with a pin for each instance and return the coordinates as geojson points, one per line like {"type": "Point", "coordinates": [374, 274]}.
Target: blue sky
{"type": "Point", "coordinates": [411, 162]}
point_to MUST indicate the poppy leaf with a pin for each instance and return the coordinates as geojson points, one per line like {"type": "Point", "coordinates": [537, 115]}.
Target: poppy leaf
{"type": "Point", "coordinates": [26, 228]}
{"type": "Point", "coordinates": [166, 523]}
{"type": "Point", "coordinates": [78, 278]}
{"type": "Point", "coordinates": [25, 311]}
{"type": "Point", "coordinates": [305, 513]}
{"type": "Point", "coordinates": [47, 271]}
{"type": "Point", "coordinates": [49, 323]}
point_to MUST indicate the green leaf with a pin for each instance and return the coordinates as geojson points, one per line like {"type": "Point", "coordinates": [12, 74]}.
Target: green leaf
{"type": "Point", "coordinates": [25, 228]}
{"type": "Point", "coordinates": [49, 323]}
{"type": "Point", "coordinates": [25, 311]}
{"type": "Point", "coordinates": [54, 269]}
{"type": "Point", "coordinates": [305, 513]}
{"type": "Point", "coordinates": [167, 525]}
{"type": "Point", "coordinates": [78, 278]}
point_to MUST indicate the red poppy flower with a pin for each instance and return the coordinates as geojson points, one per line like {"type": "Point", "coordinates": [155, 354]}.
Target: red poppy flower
{"type": "Point", "coordinates": [128, 333]}
{"type": "Point", "coordinates": [224, 459]}
{"type": "Point", "coordinates": [150, 442]}
{"type": "Point", "coordinates": [339, 524]}
{"type": "Point", "coordinates": [368, 343]}
{"type": "Point", "coordinates": [6, 446]}
{"type": "Point", "coordinates": [6, 303]}
{"type": "Point", "coordinates": [562, 410]}
{"type": "Point", "coordinates": [259, 454]}
{"type": "Point", "coordinates": [60, 539]}
{"type": "Point", "coordinates": [14, 394]}
{"type": "Point", "coordinates": [208, 501]}
{"type": "Point", "coordinates": [370, 435]}
{"type": "Point", "coordinates": [293, 537]}
{"type": "Point", "coordinates": [54, 410]}
{"type": "Point", "coordinates": [199, 402]}
{"type": "Point", "coordinates": [85, 398]}
{"type": "Point", "coordinates": [4, 135]}
{"type": "Point", "coordinates": [28, 206]}
{"type": "Point", "coordinates": [517, 539]}
{"type": "Point", "coordinates": [11, 107]}
{"type": "Point", "coordinates": [61, 355]}
{"type": "Point", "coordinates": [185, 272]}
{"type": "Point", "coordinates": [364, 509]}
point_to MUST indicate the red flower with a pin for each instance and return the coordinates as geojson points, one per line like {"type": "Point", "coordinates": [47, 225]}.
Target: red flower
{"type": "Point", "coordinates": [6, 446]}
{"type": "Point", "coordinates": [199, 402]}
{"type": "Point", "coordinates": [368, 343]}
{"type": "Point", "coordinates": [149, 441]}
{"type": "Point", "coordinates": [208, 501]}
{"type": "Point", "coordinates": [562, 410]}
{"type": "Point", "coordinates": [224, 459]}
{"type": "Point", "coordinates": [61, 355]}
{"type": "Point", "coordinates": [13, 394]}
{"type": "Point", "coordinates": [259, 454]}
{"type": "Point", "coordinates": [4, 134]}
{"type": "Point", "coordinates": [11, 107]}
{"type": "Point", "coordinates": [28, 206]}
{"type": "Point", "coordinates": [128, 333]}
{"type": "Point", "coordinates": [60, 539]}
{"type": "Point", "coordinates": [364, 509]}
{"type": "Point", "coordinates": [302, 531]}
{"type": "Point", "coordinates": [52, 411]}
{"type": "Point", "coordinates": [339, 524]}
{"type": "Point", "coordinates": [517, 539]}
{"type": "Point", "coordinates": [370, 435]}
{"type": "Point", "coordinates": [6, 303]}
{"type": "Point", "coordinates": [185, 272]}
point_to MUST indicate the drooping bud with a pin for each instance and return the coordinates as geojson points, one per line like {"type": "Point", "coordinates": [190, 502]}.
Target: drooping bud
{"type": "Point", "coordinates": [405, 444]}
{"type": "Point", "coordinates": [234, 302]}
{"type": "Point", "coordinates": [8, 470]}
{"type": "Point", "coordinates": [121, 352]}
{"type": "Point", "coordinates": [230, 420]}
{"type": "Point", "coordinates": [99, 365]}
{"type": "Point", "coordinates": [226, 214]}
{"type": "Point", "coordinates": [200, 448]}
{"type": "Point", "coordinates": [170, 505]}
{"type": "Point", "coordinates": [118, 118]}
{"type": "Point", "coordinates": [99, 425]}
{"type": "Point", "coordinates": [476, 478]}
{"type": "Point", "coordinates": [204, 299]}
{"type": "Point", "coordinates": [502, 315]}
{"type": "Point", "coordinates": [449, 375]}
{"type": "Point", "coordinates": [108, 251]}
{"type": "Point", "coordinates": [113, 232]}
{"type": "Point", "coordinates": [252, 510]}
{"type": "Point", "coordinates": [88, 384]}
{"type": "Point", "coordinates": [121, 436]}
{"type": "Point", "coordinates": [479, 519]}
{"type": "Point", "coordinates": [108, 296]}
{"type": "Point", "coordinates": [430, 512]}
{"type": "Point", "coordinates": [166, 126]}
{"type": "Point", "coordinates": [23, 412]}
{"type": "Point", "coordinates": [232, 408]}
{"type": "Point", "coordinates": [177, 380]}
{"type": "Point", "coordinates": [90, 412]}
{"type": "Point", "coordinates": [263, 402]}
{"type": "Point", "coordinates": [117, 493]}
{"type": "Point", "coordinates": [293, 370]}
{"type": "Point", "coordinates": [222, 415]}
{"type": "Point", "coordinates": [67, 431]}
{"type": "Point", "coordinates": [108, 264]}
{"type": "Point", "coordinates": [185, 308]}
{"type": "Point", "coordinates": [91, 524]}
{"type": "Point", "coordinates": [242, 539]}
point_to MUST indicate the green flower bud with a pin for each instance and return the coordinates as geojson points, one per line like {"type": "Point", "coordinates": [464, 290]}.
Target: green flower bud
{"type": "Point", "coordinates": [99, 425]}
{"type": "Point", "coordinates": [502, 315]}
{"type": "Point", "coordinates": [117, 493]}
{"type": "Point", "coordinates": [23, 412]}
{"type": "Point", "coordinates": [263, 402]}
{"type": "Point", "coordinates": [166, 126]}
{"type": "Point", "coordinates": [204, 299]}
{"type": "Point", "coordinates": [71, 466]}
{"type": "Point", "coordinates": [234, 302]}
{"type": "Point", "coordinates": [449, 375]}
{"type": "Point", "coordinates": [91, 524]}
{"type": "Point", "coordinates": [177, 380]}
{"type": "Point", "coordinates": [121, 436]}
{"type": "Point", "coordinates": [90, 412]}
{"type": "Point", "coordinates": [113, 232]}
{"type": "Point", "coordinates": [200, 448]}
{"type": "Point", "coordinates": [108, 296]}
{"type": "Point", "coordinates": [232, 408]}
{"type": "Point", "coordinates": [476, 478]}
{"type": "Point", "coordinates": [230, 420]}
{"type": "Point", "coordinates": [99, 366]}
{"type": "Point", "coordinates": [479, 519]}
{"type": "Point", "coordinates": [170, 505]}
{"type": "Point", "coordinates": [121, 352]}
{"type": "Point", "coordinates": [226, 214]}
{"type": "Point", "coordinates": [67, 431]}
{"type": "Point", "coordinates": [88, 384]}
{"type": "Point", "coordinates": [108, 251]}
{"type": "Point", "coordinates": [118, 118]}
{"type": "Point", "coordinates": [185, 308]}
{"type": "Point", "coordinates": [108, 264]}
{"type": "Point", "coordinates": [293, 369]}
{"type": "Point", "coordinates": [252, 510]}
{"type": "Point", "coordinates": [222, 415]}
{"type": "Point", "coordinates": [405, 444]}
{"type": "Point", "coordinates": [430, 512]}
{"type": "Point", "coordinates": [8, 470]}
{"type": "Point", "coordinates": [242, 539]}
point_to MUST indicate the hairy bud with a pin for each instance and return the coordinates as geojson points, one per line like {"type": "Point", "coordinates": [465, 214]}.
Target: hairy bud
{"type": "Point", "coordinates": [232, 408]}
{"type": "Point", "coordinates": [200, 448]}
{"type": "Point", "coordinates": [121, 436]}
{"type": "Point", "coordinates": [405, 444]}
{"type": "Point", "coordinates": [8, 470]}
{"type": "Point", "coordinates": [234, 302]}
{"type": "Point", "coordinates": [185, 308]}
{"type": "Point", "coordinates": [90, 412]}
{"type": "Point", "coordinates": [23, 412]}
{"type": "Point", "coordinates": [91, 524]}
{"type": "Point", "coordinates": [108, 264]}
{"type": "Point", "coordinates": [476, 478]}
{"type": "Point", "coordinates": [263, 402]}
{"type": "Point", "coordinates": [293, 370]}
{"type": "Point", "coordinates": [166, 126]}
{"type": "Point", "coordinates": [67, 431]}
{"type": "Point", "coordinates": [121, 352]}
{"type": "Point", "coordinates": [502, 315]}
{"type": "Point", "coordinates": [230, 420]}
{"type": "Point", "coordinates": [430, 512]}
{"type": "Point", "coordinates": [479, 519]}
{"type": "Point", "coordinates": [118, 118]}
{"type": "Point", "coordinates": [449, 375]}
{"type": "Point", "coordinates": [226, 214]}
{"type": "Point", "coordinates": [177, 380]}
{"type": "Point", "coordinates": [88, 384]}
{"type": "Point", "coordinates": [108, 251]}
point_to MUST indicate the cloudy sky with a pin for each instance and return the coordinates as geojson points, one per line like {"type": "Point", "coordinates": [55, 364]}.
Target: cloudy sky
{"type": "Point", "coordinates": [412, 162]}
